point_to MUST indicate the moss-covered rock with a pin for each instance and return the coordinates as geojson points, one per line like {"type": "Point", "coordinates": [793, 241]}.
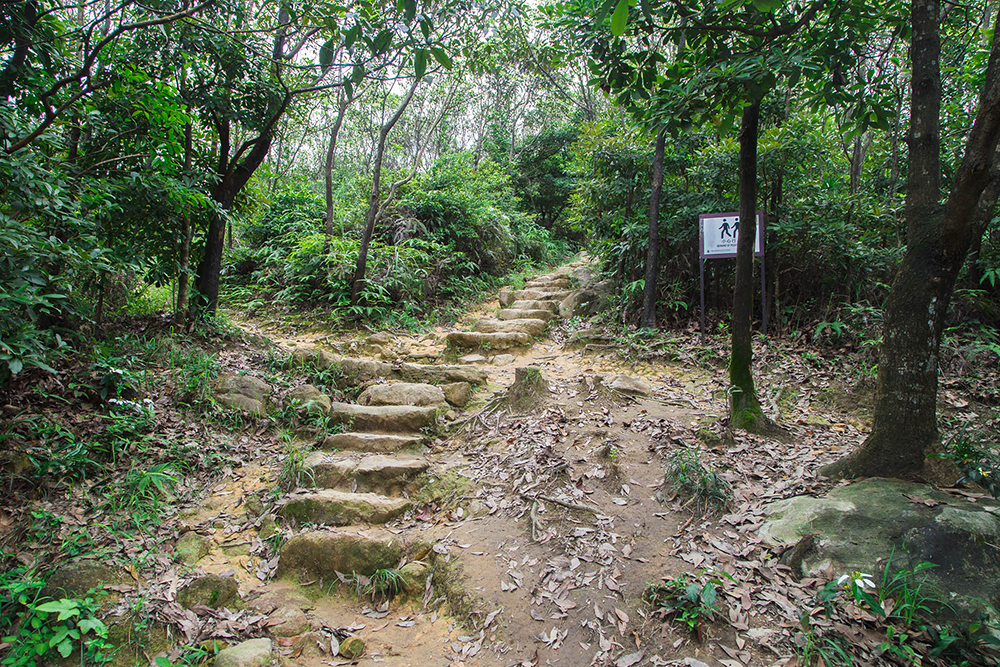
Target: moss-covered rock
{"type": "Point", "coordinates": [308, 399]}
{"type": "Point", "coordinates": [252, 653]}
{"type": "Point", "coordinates": [75, 579]}
{"type": "Point", "coordinates": [210, 590]}
{"type": "Point", "coordinates": [383, 418]}
{"type": "Point", "coordinates": [322, 554]}
{"type": "Point", "coordinates": [859, 526]}
{"type": "Point", "coordinates": [330, 507]}
{"type": "Point", "coordinates": [457, 393]}
{"type": "Point", "coordinates": [191, 547]}
{"type": "Point", "coordinates": [403, 393]}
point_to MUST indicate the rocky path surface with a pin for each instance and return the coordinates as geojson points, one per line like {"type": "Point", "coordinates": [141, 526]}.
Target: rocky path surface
{"type": "Point", "coordinates": [500, 478]}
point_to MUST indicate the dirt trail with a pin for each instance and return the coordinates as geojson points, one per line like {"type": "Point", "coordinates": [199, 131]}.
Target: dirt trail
{"type": "Point", "coordinates": [531, 531]}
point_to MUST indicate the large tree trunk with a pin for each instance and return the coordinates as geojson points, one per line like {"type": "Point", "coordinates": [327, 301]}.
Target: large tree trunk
{"type": "Point", "coordinates": [234, 173]}
{"type": "Point", "coordinates": [744, 408]}
{"type": "Point", "coordinates": [904, 429]}
{"type": "Point", "coordinates": [648, 319]}
{"type": "Point", "coordinates": [358, 280]}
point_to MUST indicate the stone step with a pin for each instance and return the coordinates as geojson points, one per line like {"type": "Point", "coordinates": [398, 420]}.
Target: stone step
{"type": "Point", "coordinates": [528, 326]}
{"type": "Point", "coordinates": [403, 393]}
{"type": "Point", "coordinates": [371, 442]}
{"type": "Point", "coordinates": [535, 305]}
{"type": "Point", "coordinates": [383, 418]}
{"type": "Point", "coordinates": [389, 475]}
{"type": "Point", "coordinates": [322, 554]}
{"type": "Point", "coordinates": [508, 314]}
{"type": "Point", "coordinates": [539, 295]}
{"type": "Point", "coordinates": [493, 341]}
{"type": "Point", "coordinates": [355, 371]}
{"type": "Point", "coordinates": [330, 507]}
{"type": "Point", "coordinates": [551, 281]}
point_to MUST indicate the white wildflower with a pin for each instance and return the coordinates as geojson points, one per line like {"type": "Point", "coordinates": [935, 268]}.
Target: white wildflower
{"type": "Point", "coordinates": [859, 579]}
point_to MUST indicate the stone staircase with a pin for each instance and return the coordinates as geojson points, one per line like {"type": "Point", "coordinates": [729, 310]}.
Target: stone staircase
{"type": "Point", "coordinates": [365, 473]}
{"type": "Point", "coordinates": [524, 316]}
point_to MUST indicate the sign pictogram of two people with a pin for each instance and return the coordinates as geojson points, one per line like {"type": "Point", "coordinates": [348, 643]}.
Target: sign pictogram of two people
{"type": "Point", "coordinates": [729, 230]}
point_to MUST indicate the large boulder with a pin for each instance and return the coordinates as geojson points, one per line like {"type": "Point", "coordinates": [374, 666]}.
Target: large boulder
{"type": "Point", "coordinates": [324, 554]}
{"type": "Point", "coordinates": [308, 399]}
{"type": "Point", "coordinates": [243, 392]}
{"type": "Point", "coordinates": [403, 393]}
{"type": "Point", "coordinates": [579, 303]}
{"type": "Point", "coordinates": [859, 526]}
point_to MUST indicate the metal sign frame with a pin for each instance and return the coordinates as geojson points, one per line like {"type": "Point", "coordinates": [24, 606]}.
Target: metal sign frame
{"type": "Point", "coordinates": [758, 251]}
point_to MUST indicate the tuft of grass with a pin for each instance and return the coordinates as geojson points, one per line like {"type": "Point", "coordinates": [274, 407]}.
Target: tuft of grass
{"type": "Point", "coordinates": [294, 472]}
{"type": "Point", "coordinates": [702, 486]}
{"type": "Point", "coordinates": [383, 584]}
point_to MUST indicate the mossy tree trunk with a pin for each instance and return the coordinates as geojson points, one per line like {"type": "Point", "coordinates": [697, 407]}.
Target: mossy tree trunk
{"type": "Point", "coordinates": [904, 428]}
{"type": "Point", "coordinates": [744, 408]}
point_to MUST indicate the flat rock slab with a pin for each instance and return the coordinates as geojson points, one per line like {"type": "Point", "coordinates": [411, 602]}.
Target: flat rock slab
{"type": "Point", "coordinates": [322, 554]}
{"type": "Point", "coordinates": [390, 475]}
{"type": "Point", "coordinates": [435, 374]}
{"type": "Point", "coordinates": [472, 359]}
{"type": "Point", "coordinates": [493, 341]}
{"type": "Point", "coordinates": [628, 385]}
{"type": "Point", "coordinates": [526, 326]}
{"type": "Point", "coordinates": [383, 418]}
{"type": "Point", "coordinates": [539, 294]}
{"type": "Point", "coordinates": [355, 371]}
{"type": "Point", "coordinates": [252, 653]}
{"type": "Point", "coordinates": [371, 442]}
{"type": "Point", "coordinates": [525, 304]}
{"type": "Point", "coordinates": [247, 385]}
{"type": "Point", "coordinates": [557, 281]}
{"type": "Point", "coordinates": [244, 393]}
{"type": "Point", "coordinates": [508, 314]}
{"type": "Point", "coordinates": [330, 507]}
{"type": "Point", "coordinates": [855, 526]}
{"type": "Point", "coordinates": [403, 393]}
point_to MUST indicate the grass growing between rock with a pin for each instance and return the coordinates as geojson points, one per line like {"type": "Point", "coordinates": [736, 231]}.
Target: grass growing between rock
{"type": "Point", "coordinates": [687, 477]}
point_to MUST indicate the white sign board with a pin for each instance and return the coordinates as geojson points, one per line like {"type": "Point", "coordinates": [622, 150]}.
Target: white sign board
{"type": "Point", "coordinates": [719, 232]}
